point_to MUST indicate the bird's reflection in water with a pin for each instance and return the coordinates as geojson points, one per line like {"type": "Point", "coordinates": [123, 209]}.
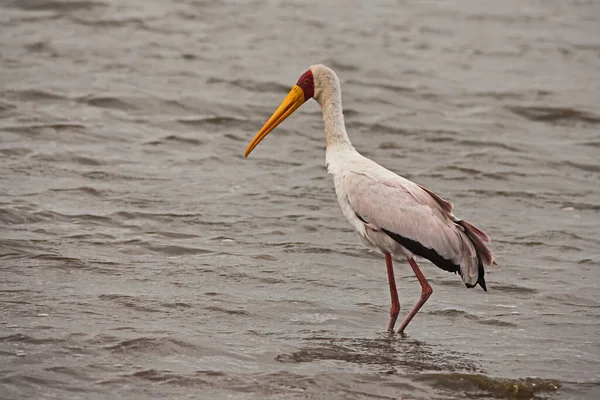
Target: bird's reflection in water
{"type": "Point", "coordinates": [385, 352]}
{"type": "Point", "coordinates": [436, 367]}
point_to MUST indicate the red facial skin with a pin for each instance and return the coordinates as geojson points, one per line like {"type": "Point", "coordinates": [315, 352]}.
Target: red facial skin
{"type": "Point", "coordinates": [307, 84]}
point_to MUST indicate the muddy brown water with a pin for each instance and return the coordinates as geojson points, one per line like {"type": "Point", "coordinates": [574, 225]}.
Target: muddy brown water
{"type": "Point", "coordinates": [141, 256]}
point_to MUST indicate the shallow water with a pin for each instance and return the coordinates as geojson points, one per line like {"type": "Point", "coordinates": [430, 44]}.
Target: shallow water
{"type": "Point", "coordinates": [142, 256]}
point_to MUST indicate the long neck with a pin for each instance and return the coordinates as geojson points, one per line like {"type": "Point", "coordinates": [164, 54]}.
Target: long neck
{"type": "Point", "coordinates": [330, 100]}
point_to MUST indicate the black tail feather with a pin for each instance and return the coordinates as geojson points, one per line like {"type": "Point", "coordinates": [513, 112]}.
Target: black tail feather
{"type": "Point", "coordinates": [478, 245]}
{"type": "Point", "coordinates": [480, 279]}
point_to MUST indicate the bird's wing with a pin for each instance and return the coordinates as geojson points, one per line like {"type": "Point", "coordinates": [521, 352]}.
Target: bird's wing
{"type": "Point", "coordinates": [416, 218]}
{"type": "Point", "coordinates": [393, 206]}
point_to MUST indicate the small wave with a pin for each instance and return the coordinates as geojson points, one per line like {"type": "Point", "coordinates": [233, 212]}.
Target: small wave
{"type": "Point", "coordinates": [177, 305]}
{"type": "Point", "coordinates": [501, 95]}
{"type": "Point", "coordinates": [467, 172]}
{"type": "Point", "coordinates": [271, 281]}
{"type": "Point", "coordinates": [61, 6]}
{"type": "Point", "coordinates": [41, 129]}
{"type": "Point", "coordinates": [107, 102]}
{"type": "Point", "coordinates": [234, 137]}
{"type": "Point", "coordinates": [340, 66]}
{"type": "Point", "coordinates": [158, 346]}
{"type": "Point", "coordinates": [504, 193]}
{"type": "Point", "coordinates": [226, 311]}
{"type": "Point", "coordinates": [443, 137]}
{"type": "Point", "coordinates": [350, 113]}
{"type": "Point", "coordinates": [481, 143]}
{"type": "Point", "coordinates": [265, 257]}
{"type": "Point", "coordinates": [91, 236]}
{"type": "Point", "coordinates": [16, 216]}
{"type": "Point", "coordinates": [11, 248]}
{"type": "Point", "coordinates": [577, 165]}
{"type": "Point", "coordinates": [175, 139]}
{"type": "Point", "coordinates": [128, 103]}
{"type": "Point", "coordinates": [64, 261]}
{"type": "Point", "coordinates": [498, 95]}
{"type": "Point", "coordinates": [29, 381]}
{"type": "Point", "coordinates": [555, 114]}
{"type": "Point", "coordinates": [563, 236]}
{"type": "Point", "coordinates": [82, 189]}
{"type": "Point", "coordinates": [112, 177]}
{"type": "Point", "coordinates": [593, 143]}
{"type": "Point", "coordinates": [243, 277]}
{"type": "Point", "coordinates": [573, 300]}
{"type": "Point", "coordinates": [135, 303]}
{"type": "Point", "coordinates": [168, 377]}
{"type": "Point", "coordinates": [88, 218]}
{"type": "Point", "coordinates": [390, 87]}
{"type": "Point", "coordinates": [158, 216]}
{"type": "Point", "coordinates": [589, 261]}
{"type": "Point", "coordinates": [33, 95]}
{"type": "Point", "coordinates": [173, 235]}
{"type": "Point", "coordinates": [15, 152]}
{"type": "Point", "coordinates": [472, 385]}
{"type": "Point", "coordinates": [259, 87]}
{"type": "Point", "coordinates": [6, 108]}
{"type": "Point", "coordinates": [189, 56]}
{"type": "Point", "coordinates": [389, 145]}
{"type": "Point", "coordinates": [266, 162]}
{"type": "Point", "coordinates": [133, 22]}
{"type": "Point", "coordinates": [379, 128]}
{"type": "Point", "coordinates": [297, 247]}
{"type": "Point", "coordinates": [21, 338]}
{"type": "Point", "coordinates": [514, 289]}
{"type": "Point", "coordinates": [73, 373]}
{"type": "Point", "coordinates": [173, 250]}
{"type": "Point", "coordinates": [223, 238]}
{"type": "Point", "coordinates": [69, 157]}
{"type": "Point", "coordinates": [452, 313]}
{"type": "Point", "coordinates": [496, 322]}
{"type": "Point", "coordinates": [214, 120]}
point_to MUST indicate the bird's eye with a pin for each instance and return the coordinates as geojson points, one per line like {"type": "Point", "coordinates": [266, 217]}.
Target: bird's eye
{"type": "Point", "coordinates": [307, 81]}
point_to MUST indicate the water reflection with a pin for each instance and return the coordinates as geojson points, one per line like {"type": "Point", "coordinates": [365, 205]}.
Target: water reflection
{"type": "Point", "coordinates": [438, 367]}
{"type": "Point", "coordinates": [388, 353]}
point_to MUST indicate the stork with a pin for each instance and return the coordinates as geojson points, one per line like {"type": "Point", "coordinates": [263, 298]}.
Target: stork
{"type": "Point", "coordinates": [388, 212]}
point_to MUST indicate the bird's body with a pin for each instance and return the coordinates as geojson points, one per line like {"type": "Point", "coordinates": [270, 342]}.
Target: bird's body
{"type": "Point", "coordinates": [399, 217]}
{"type": "Point", "coordinates": [388, 212]}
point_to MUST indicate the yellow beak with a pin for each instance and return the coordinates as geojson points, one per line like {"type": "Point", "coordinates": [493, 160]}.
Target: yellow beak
{"type": "Point", "coordinates": [292, 101]}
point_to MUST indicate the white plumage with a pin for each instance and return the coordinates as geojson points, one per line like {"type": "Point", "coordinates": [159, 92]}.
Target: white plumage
{"type": "Point", "coordinates": [384, 200]}
{"type": "Point", "coordinates": [388, 212]}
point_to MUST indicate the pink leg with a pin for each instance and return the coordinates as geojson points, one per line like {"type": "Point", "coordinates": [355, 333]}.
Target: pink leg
{"type": "Point", "coordinates": [395, 309]}
{"type": "Point", "coordinates": [425, 293]}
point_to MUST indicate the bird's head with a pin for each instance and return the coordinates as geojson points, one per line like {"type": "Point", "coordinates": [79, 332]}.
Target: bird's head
{"type": "Point", "coordinates": [309, 85]}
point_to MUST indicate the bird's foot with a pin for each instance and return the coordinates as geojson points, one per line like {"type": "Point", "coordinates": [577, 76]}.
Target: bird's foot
{"type": "Point", "coordinates": [401, 332]}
